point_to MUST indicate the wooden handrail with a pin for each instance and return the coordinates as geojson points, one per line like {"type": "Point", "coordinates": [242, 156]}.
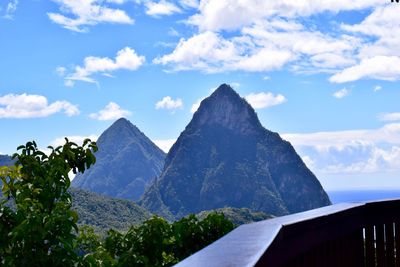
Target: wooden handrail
{"type": "Point", "coordinates": [347, 234]}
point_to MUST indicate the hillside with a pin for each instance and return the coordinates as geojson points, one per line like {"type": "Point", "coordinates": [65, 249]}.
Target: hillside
{"type": "Point", "coordinates": [225, 157]}
{"type": "Point", "coordinates": [104, 213]}
{"type": "Point", "coordinates": [126, 162]}
{"type": "Point", "coordinates": [238, 216]}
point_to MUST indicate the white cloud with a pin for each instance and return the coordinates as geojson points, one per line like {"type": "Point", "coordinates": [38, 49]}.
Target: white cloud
{"type": "Point", "coordinates": [266, 78]}
{"type": "Point", "coordinates": [126, 59]}
{"type": "Point", "coordinates": [10, 9]}
{"type": "Point", "coordinates": [265, 100]}
{"type": "Point", "coordinates": [165, 145]}
{"type": "Point", "coordinates": [350, 152]}
{"type": "Point", "coordinates": [382, 23]}
{"type": "Point", "coordinates": [341, 93]}
{"type": "Point", "coordinates": [233, 85]}
{"type": "Point", "coordinates": [264, 46]}
{"type": "Point", "coordinates": [377, 59]}
{"type": "Point", "coordinates": [390, 116]}
{"type": "Point", "coordinates": [205, 51]}
{"type": "Point", "coordinates": [196, 105]}
{"type": "Point", "coordinates": [110, 112]}
{"type": "Point", "coordinates": [161, 8]}
{"type": "Point", "coordinates": [377, 160]}
{"type": "Point", "coordinates": [69, 83]}
{"type": "Point", "coordinates": [78, 139]}
{"type": "Point", "coordinates": [210, 52]}
{"type": "Point", "coordinates": [189, 3]}
{"type": "Point", "coordinates": [263, 60]}
{"type": "Point", "coordinates": [377, 88]}
{"type": "Point", "coordinates": [82, 13]}
{"type": "Point", "coordinates": [61, 71]}
{"type": "Point", "coordinates": [390, 133]}
{"type": "Point", "coordinates": [233, 14]}
{"type": "Point", "coordinates": [168, 103]}
{"type": "Point", "coordinates": [33, 106]}
{"type": "Point", "coordinates": [260, 36]}
{"type": "Point", "coordinates": [377, 67]}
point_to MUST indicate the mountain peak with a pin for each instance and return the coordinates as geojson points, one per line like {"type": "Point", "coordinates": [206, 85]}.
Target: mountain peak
{"type": "Point", "coordinates": [127, 161]}
{"type": "Point", "coordinates": [121, 123]}
{"type": "Point", "coordinates": [225, 90]}
{"type": "Point", "coordinates": [226, 158]}
{"type": "Point", "coordinates": [224, 107]}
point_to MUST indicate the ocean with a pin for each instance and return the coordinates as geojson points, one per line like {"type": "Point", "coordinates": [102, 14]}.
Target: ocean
{"type": "Point", "coordinates": [362, 195]}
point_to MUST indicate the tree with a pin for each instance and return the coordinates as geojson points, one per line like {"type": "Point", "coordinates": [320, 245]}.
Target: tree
{"type": "Point", "coordinates": [41, 229]}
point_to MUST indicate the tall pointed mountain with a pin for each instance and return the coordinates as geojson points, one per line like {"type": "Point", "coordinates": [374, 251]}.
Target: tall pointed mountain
{"type": "Point", "coordinates": [126, 162]}
{"type": "Point", "coordinates": [225, 158]}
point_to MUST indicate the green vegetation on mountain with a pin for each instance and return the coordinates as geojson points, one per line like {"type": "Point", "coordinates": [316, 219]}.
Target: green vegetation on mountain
{"type": "Point", "coordinates": [226, 158]}
{"type": "Point", "coordinates": [101, 212]}
{"type": "Point", "coordinates": [127, 161]}
{"type": "Point", "coordinates": [40, 229]}
{"type": "Point", "coordinates": [104, 213]}
{"type": "Point", "coordinates": [238, 216]}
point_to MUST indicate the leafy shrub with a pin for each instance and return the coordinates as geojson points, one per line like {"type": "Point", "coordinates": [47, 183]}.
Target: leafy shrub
{"type": "Point", "coordinates": [40, 231]}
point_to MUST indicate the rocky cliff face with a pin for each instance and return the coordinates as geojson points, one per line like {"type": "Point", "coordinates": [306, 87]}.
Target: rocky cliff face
{"type": "Point", "coordinates": [225, 158]}
{"type": "Point", "coordinates": [126, 163]}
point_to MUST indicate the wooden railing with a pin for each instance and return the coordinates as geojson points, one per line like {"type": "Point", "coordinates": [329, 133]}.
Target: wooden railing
{"type": "Point", "coordinates": [348, 234]}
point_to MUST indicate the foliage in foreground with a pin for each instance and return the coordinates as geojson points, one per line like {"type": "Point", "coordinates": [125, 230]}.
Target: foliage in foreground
{"type": "Point", "coordinates": [41, 229]}
{"type": "Point", "coordinates": [153, 243]}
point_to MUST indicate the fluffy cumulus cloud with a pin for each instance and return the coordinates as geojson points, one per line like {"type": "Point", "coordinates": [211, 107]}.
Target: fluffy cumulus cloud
{"type": "Point", "coordinates": [355, 151]}
{"type": "Point", "coordinates": [377, 67]}
{"type": "Point", "coordinates": [161, 8]}
{"type": "Point", "coordinates": [377, 59]}
{"type": "Point", "coordinates": [265, 100]}
{"type": "Point", "coordinates": [169, 103]}
{"type": "Point", "coordinates": [261, 47]}
{"type": "Point", "coordinates": [77, 15]}
{"type": "Point", "coordinates": [232, 14]}
{"type": "Point", "coordinates": [210, 52]}
{"type": "Point", "coordinates": [260, 36]}
{"type": "Point", "coordinates": [126, 59]}
{"type": "Point", "coordinates": [341, 93]}
{"type": "Point", "coordinates": [383, 26]}
{"type": "Point", "coordinates": [111, 111]}
{"type": "Point", "coordinates": [33, 106]}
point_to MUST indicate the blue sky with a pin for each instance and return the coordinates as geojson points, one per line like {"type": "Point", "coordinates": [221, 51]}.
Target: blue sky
{"type": "Point", "coordinates": [324, 74]}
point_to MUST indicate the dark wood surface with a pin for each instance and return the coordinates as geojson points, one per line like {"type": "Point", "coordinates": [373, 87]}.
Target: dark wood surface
{"type": "Point", "coordinates": [347, 234]}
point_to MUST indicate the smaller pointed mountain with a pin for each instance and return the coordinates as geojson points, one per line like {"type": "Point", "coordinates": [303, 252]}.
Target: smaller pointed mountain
{"type": "Point", "coordinates": [226, 158]}
{"type": "Point", "coordinates": [126, 162]}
